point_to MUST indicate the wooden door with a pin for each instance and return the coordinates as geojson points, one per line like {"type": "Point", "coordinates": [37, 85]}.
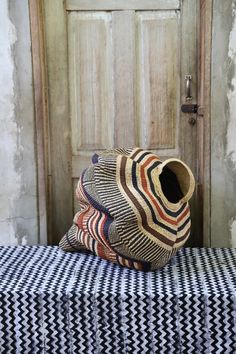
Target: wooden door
{"type": "Point", "coordinates": [116, 78]}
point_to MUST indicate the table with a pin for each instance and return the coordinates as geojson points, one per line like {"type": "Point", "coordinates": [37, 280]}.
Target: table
{"type": "Point", "coordinates": [53, 301]}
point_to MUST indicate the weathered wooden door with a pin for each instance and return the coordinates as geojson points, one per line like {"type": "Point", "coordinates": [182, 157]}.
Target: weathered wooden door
{"type": "Point", "coordinates": [116, 78]}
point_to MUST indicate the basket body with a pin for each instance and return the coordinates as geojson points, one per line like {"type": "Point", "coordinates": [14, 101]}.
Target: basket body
{"type": "Point", "coordinates": [134, 209]}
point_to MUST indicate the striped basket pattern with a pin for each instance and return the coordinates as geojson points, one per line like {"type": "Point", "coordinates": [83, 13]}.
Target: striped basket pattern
{"type": "Point", "coordinates": [126, 215]}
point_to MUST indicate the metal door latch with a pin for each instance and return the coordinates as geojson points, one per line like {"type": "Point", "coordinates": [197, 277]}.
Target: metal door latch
{"type": "Point", "coordinates": [189, 108]}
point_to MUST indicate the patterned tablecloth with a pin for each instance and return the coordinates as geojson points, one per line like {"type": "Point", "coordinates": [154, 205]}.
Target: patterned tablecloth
{"type": "Point", "coordinates": [58, 302]}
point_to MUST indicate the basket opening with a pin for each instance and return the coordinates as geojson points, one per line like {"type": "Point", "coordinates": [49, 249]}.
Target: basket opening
{"type": "Point", "coordinates": [175, 181]}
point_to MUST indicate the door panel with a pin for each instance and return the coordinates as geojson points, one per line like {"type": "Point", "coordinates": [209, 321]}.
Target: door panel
{"type": "Point", "coordinates": [123, 40]}
{"type": "Point", "coordinates": [157, 43]}
{"type": "Point", "coordinates": [90, 78]}
{"type": "Point", "coordinates": [123, 79]}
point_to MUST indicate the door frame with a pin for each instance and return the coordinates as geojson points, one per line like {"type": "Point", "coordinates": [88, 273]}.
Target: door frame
{"type": "Point", "coordinates": [204, 118]}
{"type": "Point", "coordinates": [40, 117]}
{"type": "Point", "coordinates": [45, 140]}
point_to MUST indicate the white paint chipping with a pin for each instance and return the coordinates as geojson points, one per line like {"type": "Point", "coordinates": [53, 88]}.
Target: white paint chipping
{"type": "Point", "coordinates": [10, 180]}
{"type": "Point", "coordinates": [231, 94]}
{"type": "Point", "coordinates": [231, 131]}
{"type": "Point", "coordinates": [233, 232]}
{"type": "Point", "coordinates": [18, 199]}
{"type": "Point", "coordinates": [24, 240]}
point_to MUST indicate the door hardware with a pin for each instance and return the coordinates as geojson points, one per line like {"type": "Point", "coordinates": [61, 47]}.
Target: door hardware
{"type": "Point", "coordinates": [188, 79]}
{"type": "Point", "coordinates": [192, 120]}
{"type": "Point", "coordinates": [189, 108]}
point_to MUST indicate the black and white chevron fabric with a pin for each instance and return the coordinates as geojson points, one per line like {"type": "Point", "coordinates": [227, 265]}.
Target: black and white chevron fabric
{"type": "Point", "coordinates": [53, 301]}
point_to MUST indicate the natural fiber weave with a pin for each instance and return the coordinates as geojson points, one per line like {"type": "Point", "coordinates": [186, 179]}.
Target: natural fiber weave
{"type": "Point", "coordinates": [134, 208]}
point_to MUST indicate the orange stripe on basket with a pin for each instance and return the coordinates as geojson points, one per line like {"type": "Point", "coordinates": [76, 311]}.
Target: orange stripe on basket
{"type": "Point", "coordinates": [145, 187]}
{"type": "Point", "coordinates": [183, 214]}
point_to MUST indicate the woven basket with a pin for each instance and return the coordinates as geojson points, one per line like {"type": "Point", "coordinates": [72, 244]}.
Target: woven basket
{"type": "Point", "coordinates": [134, 208]}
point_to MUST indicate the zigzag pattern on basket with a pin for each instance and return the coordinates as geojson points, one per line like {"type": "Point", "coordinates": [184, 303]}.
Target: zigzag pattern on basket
{"type": "Point", "coordinates": [124, 216]}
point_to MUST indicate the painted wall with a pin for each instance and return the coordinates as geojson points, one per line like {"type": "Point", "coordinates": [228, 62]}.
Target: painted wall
{"type": "Point", "coordinates": [18, 201]}
{"type": "Point", "coordinates": [223, 125]}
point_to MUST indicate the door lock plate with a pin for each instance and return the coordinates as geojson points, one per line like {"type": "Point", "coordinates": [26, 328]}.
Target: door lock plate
{"type": "Point", "coordinates": [189, 108]}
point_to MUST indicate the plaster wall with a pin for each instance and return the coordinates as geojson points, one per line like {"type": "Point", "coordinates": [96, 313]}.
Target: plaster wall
{"type": "Point", "coordinates": [18, 199]}
{"type": "Point", "coordinates": [223, 125]}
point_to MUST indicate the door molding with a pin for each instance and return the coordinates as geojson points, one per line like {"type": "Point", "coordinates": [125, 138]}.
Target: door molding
{"type": "Point", "coordinates": [204, 117]}
{"type": "Point", "coordinates": [73, 5]}
{"type": "Point", "coordinates": [47, 155]}
{"type": "Point", "coordinates": [40, 114]}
